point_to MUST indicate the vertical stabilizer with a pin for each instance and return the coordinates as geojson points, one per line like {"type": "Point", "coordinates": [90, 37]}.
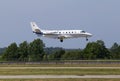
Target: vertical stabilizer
{"type": "Point", "coordinates": [35, 28]}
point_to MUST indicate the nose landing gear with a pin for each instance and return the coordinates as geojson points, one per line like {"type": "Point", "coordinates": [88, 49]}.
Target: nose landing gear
{"type": "Point", "coordinates": [86, 39]}
{"type": "Point", "coordinates": [61, 40]}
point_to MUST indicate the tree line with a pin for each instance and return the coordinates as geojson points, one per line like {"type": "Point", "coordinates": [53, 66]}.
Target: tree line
{"type": "Point", "coordinates": [36, 51]}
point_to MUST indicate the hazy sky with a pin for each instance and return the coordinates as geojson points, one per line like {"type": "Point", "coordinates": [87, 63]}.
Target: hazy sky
{"type": "Point", "coordinates": [99, 17]}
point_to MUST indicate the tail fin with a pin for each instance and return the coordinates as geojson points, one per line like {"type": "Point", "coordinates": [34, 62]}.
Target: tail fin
{"type": "Point", "coordinates": [35, 28]}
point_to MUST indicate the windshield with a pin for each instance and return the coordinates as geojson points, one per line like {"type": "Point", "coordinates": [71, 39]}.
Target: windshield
{"type": "Point", "coordinates": [82, 31]}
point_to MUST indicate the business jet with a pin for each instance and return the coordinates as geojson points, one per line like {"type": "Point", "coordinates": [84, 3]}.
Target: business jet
{"type": "Point", "coordinates": [59, 34]}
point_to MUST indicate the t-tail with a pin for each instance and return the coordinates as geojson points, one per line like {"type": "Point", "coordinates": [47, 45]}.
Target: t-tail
{"type": "Point", "coordinates": [35, 28]}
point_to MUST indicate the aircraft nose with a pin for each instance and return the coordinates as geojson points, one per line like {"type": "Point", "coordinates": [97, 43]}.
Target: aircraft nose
{"type": "Point", "coordinates": [89, 34]}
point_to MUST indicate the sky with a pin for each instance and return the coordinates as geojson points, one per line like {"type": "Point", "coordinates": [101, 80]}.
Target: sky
{"type": "Point", "coordinates": [99, 17]}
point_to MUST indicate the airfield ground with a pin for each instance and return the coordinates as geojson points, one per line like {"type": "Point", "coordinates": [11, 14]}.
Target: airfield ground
{"type": "Point", "coordinates": [59, 71]}
{"type": "Point", "coordinates": [110, 71]}
{"type": "Point", "coordinates": [69, 79]}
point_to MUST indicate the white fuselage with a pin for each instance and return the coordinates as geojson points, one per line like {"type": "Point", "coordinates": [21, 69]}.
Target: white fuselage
{"type": "Point", "coordinates": [59, 34]}
{"type": "Point", "coordinates": [65, 33]}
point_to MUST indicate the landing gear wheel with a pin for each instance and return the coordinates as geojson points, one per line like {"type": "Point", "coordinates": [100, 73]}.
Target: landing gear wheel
{"type": "Point", "coordinates": [86, 39]}
{"type": "Point", "coordinates": [61, 40]}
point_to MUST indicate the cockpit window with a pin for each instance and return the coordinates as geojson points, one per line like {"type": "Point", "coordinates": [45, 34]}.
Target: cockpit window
{"type": "Point", "coordinates": [82, 31]}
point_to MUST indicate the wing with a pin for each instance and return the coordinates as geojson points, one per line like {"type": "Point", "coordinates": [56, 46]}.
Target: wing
{"type": "Point", "coordinates": [64, 36]}
{"type": "Point", "coordinates": [50, 33]}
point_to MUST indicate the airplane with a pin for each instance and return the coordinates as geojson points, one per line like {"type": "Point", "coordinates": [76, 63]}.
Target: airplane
{"type": "Point", "coordinates": [59, 34]}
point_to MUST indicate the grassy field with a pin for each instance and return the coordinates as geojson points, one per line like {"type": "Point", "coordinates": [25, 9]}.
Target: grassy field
{"type": "Point", "coordinates": [61, 71]}
{"type": "Point", "coordinates": [21, 69]}
{"type": "Point", "coordinates": [60, 79]}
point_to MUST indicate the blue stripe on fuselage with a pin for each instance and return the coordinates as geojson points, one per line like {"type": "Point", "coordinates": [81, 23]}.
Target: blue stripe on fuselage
{"type": "Point", "coordinates": [41, 33]}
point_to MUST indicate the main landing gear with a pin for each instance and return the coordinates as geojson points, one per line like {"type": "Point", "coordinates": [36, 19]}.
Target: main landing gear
{"type": "Point", "coordinates": [61, 39]}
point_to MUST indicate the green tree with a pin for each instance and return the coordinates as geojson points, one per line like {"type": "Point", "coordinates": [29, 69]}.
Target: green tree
{"type": "Point", "coordinates": [96, 50]}
{"type": "Point", "coordinates": [104, 53]}
{"type": "Point", "coordinates": [90, 51]}
{"type": "Point", "coordinates": [115, 51]}
{"type": "Point", "coordinates": [11, 53]}
{"type": "Point", "coordinates": [36, 50]}
{"type": "Point", "coordinates": [57, 55]}
{"type": "Point", "coordinates": [23, 51]}
{"type": "Point", "coordinates": [2, 50]}
{"type": "Point", "coordinates": [72, 55]}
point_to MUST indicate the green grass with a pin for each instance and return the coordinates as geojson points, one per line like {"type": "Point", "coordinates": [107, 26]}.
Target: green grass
{"type": "Point", "coordinates": [59, 65]}
{"type": "Point", "coordinates": [78, 71]}
{"type": "Point", "coordinates": [59, 71]}
{"type": "Point", "coordinates": [70, 79]}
